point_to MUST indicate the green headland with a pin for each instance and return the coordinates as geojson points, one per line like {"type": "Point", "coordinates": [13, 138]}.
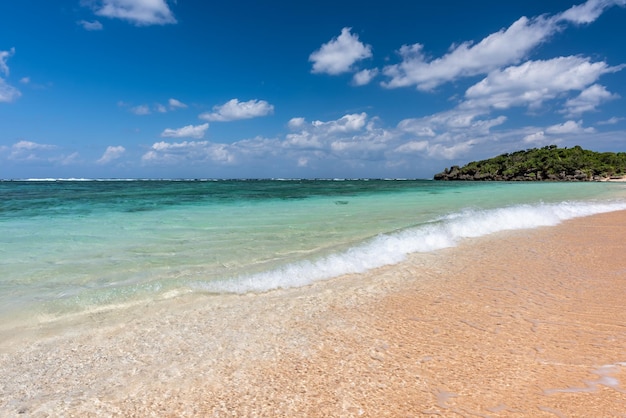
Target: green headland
{"type": "Point", "coordinates": [549, 163]}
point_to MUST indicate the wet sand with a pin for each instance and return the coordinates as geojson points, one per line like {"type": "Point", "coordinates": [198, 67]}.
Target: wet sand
{"type": "Point", "coordinates": [518, 324]}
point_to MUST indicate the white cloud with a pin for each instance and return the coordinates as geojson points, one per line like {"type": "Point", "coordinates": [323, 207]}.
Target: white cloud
{"type": "Point", "coordinates": [569, 127]}
{"type": "Point", "coordinates": [588, 100]}
{"type": "Point", "coordinates": [111, 153]}
{"type": "Point", "coordinates": [140, 110]}
{"type": "Point", "coordinates": [235, 110]}
{"type": "Point", "coordinates": [417, 126]}
{"type": "Point", "coordinates": [547, 135]}
{"type": "Point", "coordinates": [506, 47]}
{"type": "Point", "coordinates": [189, 131]}
{"type": "Point", "coordinates": [589, 11]}
{"type": "Point", "coordinates": [611, 121]}
{"type": "Point", "coordinates": [534, 82]}
{"type": "Point", "coordinates": [67, 159]}
{"type": "Point", "coordinates": [352, 138]}
{"type": "Point", "coordinates": [8, 93]}
{"type": "Point", "coordinates": [296, 123]}
{"type": "Point", "coordinates": [347, 123]}
{"type": "Point", "coordinates": [28, 150]}
{"type": "Point", "coordinates": [450, 122]}
{"type": "Point", "coordinates": [364, 77]}
{"type": "Point", "coordinates": [187, 152]}
{"type": "Point", "coordinates": [29, 146]}
{"type": "Point", "coordinates": [304, 140]}
{"type": "Point", "coordinates": [446, 135]}
{"type": "Point", "coordinates": [145, 109]}
{"type": "Point", "coordinates": [176, 104]}
{"type": "Point", "coordinates": [4, 56]}
{"type": "Point", "coordinates": [339, 54]}
{"type": "Point", "coordinates": [537, 137]}
{"type": "Point", "coordinates": [452, 151]}
{"type": "Point", "coordinates": [139, 12]}
{"type": "Point", "coordinates": [323, 134]}
{"type": "Point", "coordinates": [412, 147]}
{"type": "Point", "coordinates": [91, 26]}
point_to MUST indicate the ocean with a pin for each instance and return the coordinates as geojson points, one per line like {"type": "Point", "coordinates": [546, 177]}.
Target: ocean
{"type": "Point", "coordinates": [70, 247]}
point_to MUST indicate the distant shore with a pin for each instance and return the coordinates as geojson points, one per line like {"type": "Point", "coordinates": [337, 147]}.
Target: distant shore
{"type": "Point", "coordinates": [618, 179]}
{"type": "Point", "coordinates": [549, 163]}
{"type": "Point", "coordinates": [527, 323]}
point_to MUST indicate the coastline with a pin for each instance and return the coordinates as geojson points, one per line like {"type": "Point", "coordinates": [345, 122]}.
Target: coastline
{"type": "Point", "coordinates": [616, 179]}
{"type": "Point", "coordinates": [518, 323]}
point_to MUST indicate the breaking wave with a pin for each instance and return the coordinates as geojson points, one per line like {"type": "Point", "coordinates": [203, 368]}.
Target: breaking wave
{"type": "Point", "coordinates": [393, 248]}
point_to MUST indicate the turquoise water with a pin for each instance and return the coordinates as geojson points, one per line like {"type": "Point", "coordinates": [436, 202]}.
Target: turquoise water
{"type": "Point", "coordinates": [72, 246]}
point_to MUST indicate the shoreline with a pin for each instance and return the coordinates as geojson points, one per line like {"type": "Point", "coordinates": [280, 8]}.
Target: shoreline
{"type": "Point", "coordinates": [518, 323]}
{"type": "Point", "coordinates": [616, 179]}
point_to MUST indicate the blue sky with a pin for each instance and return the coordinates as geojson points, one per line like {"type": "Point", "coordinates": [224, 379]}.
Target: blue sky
{"type": "Point", "coordinates": [394, 89]}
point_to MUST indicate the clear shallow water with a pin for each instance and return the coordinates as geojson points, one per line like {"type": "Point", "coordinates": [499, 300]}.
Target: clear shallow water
{"type": "Point", "coordinates": [71, 246]}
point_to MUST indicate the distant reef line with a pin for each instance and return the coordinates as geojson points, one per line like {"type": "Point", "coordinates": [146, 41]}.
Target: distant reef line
{"type": "Point", "coordinates": [549, 163]}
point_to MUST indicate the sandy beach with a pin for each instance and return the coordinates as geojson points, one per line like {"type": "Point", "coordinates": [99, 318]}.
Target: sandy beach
{"type": "Point", "coordinates": [517, 324]}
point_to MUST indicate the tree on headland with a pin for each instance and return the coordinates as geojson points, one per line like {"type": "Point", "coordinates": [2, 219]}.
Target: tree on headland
{"type": "Point", "coordinates": [548, 163]}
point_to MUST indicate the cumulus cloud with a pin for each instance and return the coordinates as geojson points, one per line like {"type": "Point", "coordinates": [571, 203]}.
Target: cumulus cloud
{"type": "Point", "coordinates": [364, 77]}
{"type": "Point", "coordinates": [189, 131]}
{"type": "Point", "coordinates": [187, 152]}
{"type": "Point", "coordinates": [536, 137]}
{"type": "Point", "coordinates": [589, 11]}
{"type": "Point", "coordinates": [588, 100]}
{"type": "Point", "coordinates": [176, 104]}
{"type": "Point", "coordinates": [111, 153]}
{"type": "Point", "coordinates": [295, 123]}
{"type": "Point", "coordinates": [347, 123]}
{"type": "Point", "coordinates": [450, 152]}
{"type": "Point", "coordinates": [534, 82]}
{"type": "Point", "coordinates": [446, 135]}
{"type": "Point", "coordinates": [350, 138]}
{"type": "Point", "coordinates": [453, 133]}
{"type": "Point", "coordinates": [235, 110]}
{"type": "Point", "coordinates": [90, 26]}
{"type": "Point", "coordinates": [569, 127]}
{"type": "Point", "coordinates": [140, 110]}
{"type": "Point", "coordinates": [551, 133]}
{"type": "Point", "coordinates": [450, 122]}
{"type": "Point", "coordinates": [28, 150]}
{"type": "Point", "coordinates": [339, 54]}
{"type": "Point", "coordinates": [139, 12]}
{"type": "Point", "coordinates": [8, 93]}
{"type": "Point", "coordinates": [506, 47]}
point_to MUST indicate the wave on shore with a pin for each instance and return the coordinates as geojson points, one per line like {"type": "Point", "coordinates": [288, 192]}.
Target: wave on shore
{"type": "Point", "coordinates": [393, 248]}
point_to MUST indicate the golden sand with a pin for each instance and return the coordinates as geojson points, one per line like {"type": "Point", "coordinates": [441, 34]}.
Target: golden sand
{"type": "Point", "coordinates": [519, 324]}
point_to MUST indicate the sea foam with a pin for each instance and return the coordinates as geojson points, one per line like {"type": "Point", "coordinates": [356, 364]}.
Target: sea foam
{"type": "Point", "coordinates": [385, 249]}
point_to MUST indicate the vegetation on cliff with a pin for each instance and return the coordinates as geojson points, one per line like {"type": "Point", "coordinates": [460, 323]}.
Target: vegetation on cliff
{"type": "Point", "coordinates": [548, 163]}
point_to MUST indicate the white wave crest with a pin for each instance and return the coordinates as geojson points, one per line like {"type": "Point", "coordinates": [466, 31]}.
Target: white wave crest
{"type": "Point", "coordinates": [393, 248]}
